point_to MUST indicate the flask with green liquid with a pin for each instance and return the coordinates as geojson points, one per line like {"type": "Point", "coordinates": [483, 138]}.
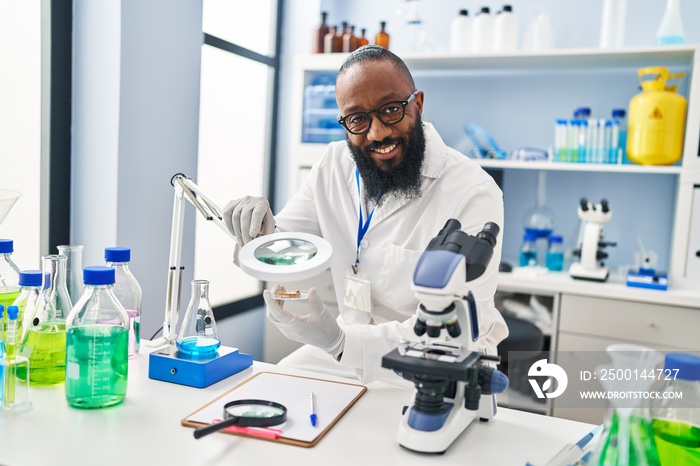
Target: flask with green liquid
{"type": "Point", "coordinates": [97, 345]}
{"type": "Point", "coordinates": [676, 414]}
{"type": "Point", "coordinates": [44, 342]}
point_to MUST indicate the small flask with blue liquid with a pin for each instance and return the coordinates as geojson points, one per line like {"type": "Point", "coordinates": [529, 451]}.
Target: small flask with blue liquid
{"type": "Point", "coordinates": [528, 251]}
{"type": "Point", "coordinates": [199, 335]}
{"type": "Point", "coordinates": [555, 254]}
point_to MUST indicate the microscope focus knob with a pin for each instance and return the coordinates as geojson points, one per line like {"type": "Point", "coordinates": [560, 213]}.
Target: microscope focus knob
{"type": "Point", "coordinates": [492, 381]}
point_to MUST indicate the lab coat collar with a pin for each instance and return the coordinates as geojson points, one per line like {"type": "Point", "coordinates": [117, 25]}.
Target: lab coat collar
{"type": "Point", "coordinates": [433, 165]}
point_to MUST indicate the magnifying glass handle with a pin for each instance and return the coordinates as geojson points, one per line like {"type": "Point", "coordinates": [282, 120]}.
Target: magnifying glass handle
{"type": "Point", "coordinates": [206, 430]}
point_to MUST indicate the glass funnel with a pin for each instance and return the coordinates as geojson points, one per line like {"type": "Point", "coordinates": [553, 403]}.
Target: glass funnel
{"type": "Point", "coordinates": [629, 437]}
{"type": "Point", "coordinates": [44, 343]}
{"type": "Point", "coordinates": [8, 198]}
{"type": "Point", "coordinates": [199, 335]}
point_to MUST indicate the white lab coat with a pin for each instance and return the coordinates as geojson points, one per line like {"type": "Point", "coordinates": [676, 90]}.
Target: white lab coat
{"type": "Point", "coordinates": [327, 205]}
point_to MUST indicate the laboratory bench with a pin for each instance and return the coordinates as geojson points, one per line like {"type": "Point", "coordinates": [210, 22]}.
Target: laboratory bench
{"type": "Point", "coordinates": [145, 429]}
{"type": "Point", "coordinates": [589, 316]}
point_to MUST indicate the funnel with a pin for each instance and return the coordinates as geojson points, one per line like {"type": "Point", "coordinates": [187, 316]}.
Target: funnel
{"type": "Point", "coordinates": [8, 198]}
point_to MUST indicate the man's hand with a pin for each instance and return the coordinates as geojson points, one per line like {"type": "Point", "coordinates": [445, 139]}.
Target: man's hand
{"type": "Point", "coordinates": [318, 328]}
{"type": "Point", "coordinates": [249, 217]}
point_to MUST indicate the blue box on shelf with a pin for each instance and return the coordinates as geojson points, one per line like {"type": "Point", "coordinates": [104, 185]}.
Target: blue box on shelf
{"type": "Point", "coordinates": [170, 365]}
{"type": "Point", "coordinates": [647, 278]}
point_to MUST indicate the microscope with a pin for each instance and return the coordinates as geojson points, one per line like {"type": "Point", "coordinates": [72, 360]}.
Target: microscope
{"type": "Point", "coordinates": [454, 382]}
{"type": "Point", "coordinates": [591, 266]}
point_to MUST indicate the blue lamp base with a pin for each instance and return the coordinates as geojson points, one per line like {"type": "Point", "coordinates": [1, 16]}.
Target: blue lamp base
{"type": "Point", "coordinates": [171, 365]}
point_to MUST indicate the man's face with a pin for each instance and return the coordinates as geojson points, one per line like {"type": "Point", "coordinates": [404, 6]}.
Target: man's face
{"type": "Point", "coordinates": [389, 157]}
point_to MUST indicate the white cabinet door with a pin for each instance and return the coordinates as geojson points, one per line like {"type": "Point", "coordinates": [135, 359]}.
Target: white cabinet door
{"type": "Point", "coordinates": [692, 269]}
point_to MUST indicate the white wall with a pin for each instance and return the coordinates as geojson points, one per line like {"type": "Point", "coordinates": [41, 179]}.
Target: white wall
{"type": "Point", "coordinates": [136, 100]}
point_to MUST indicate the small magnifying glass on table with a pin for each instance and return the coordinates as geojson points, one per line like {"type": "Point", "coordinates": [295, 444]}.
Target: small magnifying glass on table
{"type": "Point", "coordinates": [246, 414]}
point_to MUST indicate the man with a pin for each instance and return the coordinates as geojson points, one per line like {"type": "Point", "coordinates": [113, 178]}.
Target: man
{"type": "Point", "coordinates": [378, 198]}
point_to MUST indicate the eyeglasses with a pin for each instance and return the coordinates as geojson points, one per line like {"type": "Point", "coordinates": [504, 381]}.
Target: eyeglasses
{"type": "Point", "coordinates": [389, 114]}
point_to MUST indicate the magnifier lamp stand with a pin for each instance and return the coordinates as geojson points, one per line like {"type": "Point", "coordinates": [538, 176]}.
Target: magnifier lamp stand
{"type": "Point", "coordinates": [169, 364]}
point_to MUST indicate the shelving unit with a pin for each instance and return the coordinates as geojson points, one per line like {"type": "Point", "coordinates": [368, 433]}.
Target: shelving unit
{"type": "Point", "coordinates": [577, 302]}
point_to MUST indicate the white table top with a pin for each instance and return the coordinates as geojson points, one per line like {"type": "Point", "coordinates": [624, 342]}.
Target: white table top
{"type": "Point", "coordinates": [146, 429]}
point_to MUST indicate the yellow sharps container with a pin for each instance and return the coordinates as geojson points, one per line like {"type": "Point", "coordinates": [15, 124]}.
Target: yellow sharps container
{"type": "Point", "coordinates": [656, 122]}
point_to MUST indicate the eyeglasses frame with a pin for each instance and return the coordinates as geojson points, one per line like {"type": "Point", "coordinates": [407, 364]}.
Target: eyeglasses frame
{"type": "Point", "coordinates": [404, 103]}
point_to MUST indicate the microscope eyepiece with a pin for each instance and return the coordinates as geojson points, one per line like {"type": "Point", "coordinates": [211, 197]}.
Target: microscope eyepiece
{"type": "Point", "coordinates": [489, 233]}
{"type": "Point", "coordinates": [604, 206]}
{"type": "Point", "coordinates": [450, 226]}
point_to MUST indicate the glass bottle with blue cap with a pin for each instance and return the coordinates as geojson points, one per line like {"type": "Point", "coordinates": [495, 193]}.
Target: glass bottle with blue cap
{"type": "Point", "coordinates": [676, 414]}
{"type": "Point", "coordinates": [9, 273]}
{"type": "Point", "coordinates": [29, 290]}
{"type": "Point", "coordinates": [97, 344]}
{"type": "Point", "coordinates": [128, 292]}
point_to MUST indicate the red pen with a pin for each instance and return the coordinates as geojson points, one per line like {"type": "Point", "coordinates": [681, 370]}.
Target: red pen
{"type": "Point", "coordinates": [262, 432]}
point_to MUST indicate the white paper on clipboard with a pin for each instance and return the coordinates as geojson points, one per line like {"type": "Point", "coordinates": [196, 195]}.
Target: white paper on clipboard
{"type": "Point", "coordinates": [331, 400]}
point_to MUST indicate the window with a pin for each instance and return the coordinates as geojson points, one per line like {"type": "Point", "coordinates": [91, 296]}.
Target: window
{"type": "Point", "coordinates": [35, 115]}
{"type": "Point", "coordinates": [236, 133]}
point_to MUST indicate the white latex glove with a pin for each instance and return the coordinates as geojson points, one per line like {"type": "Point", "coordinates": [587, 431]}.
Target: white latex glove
{"type": "Point", "coordinates": [318, 328]}
{"type": "Point", "coordinates": [249, 217]}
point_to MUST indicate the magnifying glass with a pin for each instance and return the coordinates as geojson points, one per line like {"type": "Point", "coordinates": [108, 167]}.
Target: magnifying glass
{"type": "Point", "coordinates": [287, 256]}
{"type": "Point", "coordinates": [247, 413]}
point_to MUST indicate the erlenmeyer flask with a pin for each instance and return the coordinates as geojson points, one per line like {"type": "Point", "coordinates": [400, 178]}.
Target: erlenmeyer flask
{"type": "Point", "coordinates": [199, 335]}
{"type": "Point", "coordinates": [629, 436]}
{"type": "Point", "coordinates": [45, 339]}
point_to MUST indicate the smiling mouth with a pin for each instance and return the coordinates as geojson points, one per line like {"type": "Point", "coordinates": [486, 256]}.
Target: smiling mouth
{"type": "Point", "coordinates": [386, 151]}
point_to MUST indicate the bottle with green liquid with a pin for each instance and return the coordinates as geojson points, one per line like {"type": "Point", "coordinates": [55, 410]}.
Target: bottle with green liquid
{"type": "Point", "coordinates": [676, 414]}
{"type": "Point", "coordinates": [9, 274]}
{"type": "Point", "coordinates": [97, 344]}
{"type": "Point", "coordinates": [30, 289]}
{"type": "Point", "coordinates": [44, 342]}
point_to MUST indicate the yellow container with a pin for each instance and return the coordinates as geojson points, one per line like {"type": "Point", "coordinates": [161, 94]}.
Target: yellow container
{"type": "Point", "coordinates": [656, 122]}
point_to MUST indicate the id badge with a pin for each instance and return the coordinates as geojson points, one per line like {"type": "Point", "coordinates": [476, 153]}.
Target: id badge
{"type": "Point", "coordinates": [358, 291]}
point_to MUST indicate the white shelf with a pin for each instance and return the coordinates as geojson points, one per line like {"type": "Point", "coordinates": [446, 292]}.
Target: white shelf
{"type": "Point", "coordinates": [556, 59]}
{"type": "Point", "coordinates": [579, 167]}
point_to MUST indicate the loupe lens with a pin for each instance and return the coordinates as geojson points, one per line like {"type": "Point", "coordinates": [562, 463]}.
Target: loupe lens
{"type": "Point", "coordinates": [286, 252]}
{"type": "Point", "coordinates": [253, 411]}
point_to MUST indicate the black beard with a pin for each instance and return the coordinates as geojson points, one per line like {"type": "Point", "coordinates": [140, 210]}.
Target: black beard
{"type": "Point", "coordinates": [402, 181]}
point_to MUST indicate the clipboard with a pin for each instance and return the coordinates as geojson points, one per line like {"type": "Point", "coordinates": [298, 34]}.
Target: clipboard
{"type": "Point", "coordinates": [332, 400]}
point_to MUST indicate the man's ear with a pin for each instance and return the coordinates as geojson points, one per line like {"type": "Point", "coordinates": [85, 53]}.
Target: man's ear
{"type": "Point", "coordinates": [419, 102]}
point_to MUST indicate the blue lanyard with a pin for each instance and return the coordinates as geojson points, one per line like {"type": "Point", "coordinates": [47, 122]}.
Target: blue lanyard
{"type": "Point", "coordinates": [362, 227]}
